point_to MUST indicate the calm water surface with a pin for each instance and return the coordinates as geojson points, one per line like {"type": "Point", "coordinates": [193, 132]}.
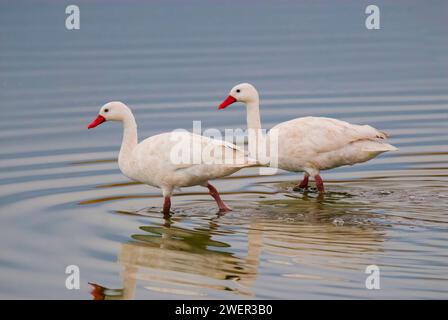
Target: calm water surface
{"type": "Point", "coordinates": [63, 200]}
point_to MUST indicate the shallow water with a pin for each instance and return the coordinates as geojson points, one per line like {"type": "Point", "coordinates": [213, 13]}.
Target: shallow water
{"type": "Point", "coordinates": [63, 200]}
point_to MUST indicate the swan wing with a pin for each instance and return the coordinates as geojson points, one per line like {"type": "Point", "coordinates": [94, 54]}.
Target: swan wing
{"type": "Point", "coordinates": [182, 150]}
{"type": "Point", "coordinates": [322, 135]}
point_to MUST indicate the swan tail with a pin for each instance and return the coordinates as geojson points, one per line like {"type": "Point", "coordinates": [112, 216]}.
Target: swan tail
{"type": "Point", "coordinates": [249, 162]}
{"type": "Point", "coordinates": [379, 147]}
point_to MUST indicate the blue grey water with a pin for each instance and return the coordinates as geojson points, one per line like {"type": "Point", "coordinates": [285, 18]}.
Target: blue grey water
{"type": "Point", "coordinates": [63, 200]}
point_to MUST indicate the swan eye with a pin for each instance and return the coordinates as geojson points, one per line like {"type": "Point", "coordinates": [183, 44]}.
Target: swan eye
{"type": "Point", "coordinates": [238, 90]}
{"type": "Point", "coordinates": [106, 110]}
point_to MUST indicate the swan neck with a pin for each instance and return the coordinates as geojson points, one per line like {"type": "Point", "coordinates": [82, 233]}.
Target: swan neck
{"type": "Point", "coordinates": [130, 138]}
{"type": "Point", "coordinates": [255, 136]}
{"type": "Point", "coordinates": [253, 115]}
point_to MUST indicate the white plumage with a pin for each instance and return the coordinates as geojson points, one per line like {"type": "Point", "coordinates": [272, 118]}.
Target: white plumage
{"type": "Point", "coordinates": [311, 144]}
{"type": "Point", "coordinates": [170, 160]}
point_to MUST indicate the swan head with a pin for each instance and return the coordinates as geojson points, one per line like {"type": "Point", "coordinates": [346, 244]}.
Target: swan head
{"type": "Point", "coordinates": [243, 92]}
{"type": "Point", "coordinates": [111, 111]}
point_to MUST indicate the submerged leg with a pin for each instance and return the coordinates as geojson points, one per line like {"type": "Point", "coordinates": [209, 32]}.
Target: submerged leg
{"type": "Point", "coordinates": [215, 194]}
{"type": "Point", "coordinates": [303, 184]}
{"type": "Point", "coordinates": [166, 205]}
{"type": "Point", "coordinates": [319, 183]}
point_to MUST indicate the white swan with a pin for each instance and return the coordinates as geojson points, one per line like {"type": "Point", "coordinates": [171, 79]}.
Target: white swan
{"type": "Point", "coordinates": [156, 161]}
{"type": "Point", "coordinates": [311, 144]}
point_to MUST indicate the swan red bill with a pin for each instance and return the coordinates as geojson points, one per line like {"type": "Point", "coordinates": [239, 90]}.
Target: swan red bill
{"type": "Point", "coordinates": [99, 120]}
{"type": "Point", "coordinates": [229, 100]}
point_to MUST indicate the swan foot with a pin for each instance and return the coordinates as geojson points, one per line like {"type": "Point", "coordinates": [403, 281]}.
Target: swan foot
{"type": "Point", "coordinates": [215, 194]}
{"type": "Point", "coordinates": [224, 207]}
{"type": "Point", "coordinates": [303, 184]}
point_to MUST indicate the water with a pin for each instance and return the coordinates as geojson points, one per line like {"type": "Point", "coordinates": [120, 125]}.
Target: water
{"type": "Point", "coordinates": [63, 200]}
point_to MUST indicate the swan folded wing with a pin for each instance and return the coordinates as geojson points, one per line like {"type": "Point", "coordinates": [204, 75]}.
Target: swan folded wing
{"type": "Point", "coordinates": [213, 152]}
{"type": "Point", "coordinates": [238, 157]}
{"type": "Point", "coordinates": [224, 152]}
{"type": "Point", "coordinates": [185, 150]}
{"type": "Point", "coordinates": [324, 134]}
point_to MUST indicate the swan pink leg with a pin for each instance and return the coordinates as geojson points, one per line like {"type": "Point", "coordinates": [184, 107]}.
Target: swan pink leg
{"type": "Point", "coordinates": [167, 205]}
{"type": "Point", "coordinates": [304, 183]}
{"type": "Point", "coordinates": [215, 194]}
{"type": "Point", "coordinates": [319, 183]}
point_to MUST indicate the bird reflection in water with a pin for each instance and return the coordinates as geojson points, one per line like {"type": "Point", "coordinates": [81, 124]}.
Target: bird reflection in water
{"type": "Point", "coordinates": [166, 255]}
{"type": "Point", "coordinates": [298, 229]}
